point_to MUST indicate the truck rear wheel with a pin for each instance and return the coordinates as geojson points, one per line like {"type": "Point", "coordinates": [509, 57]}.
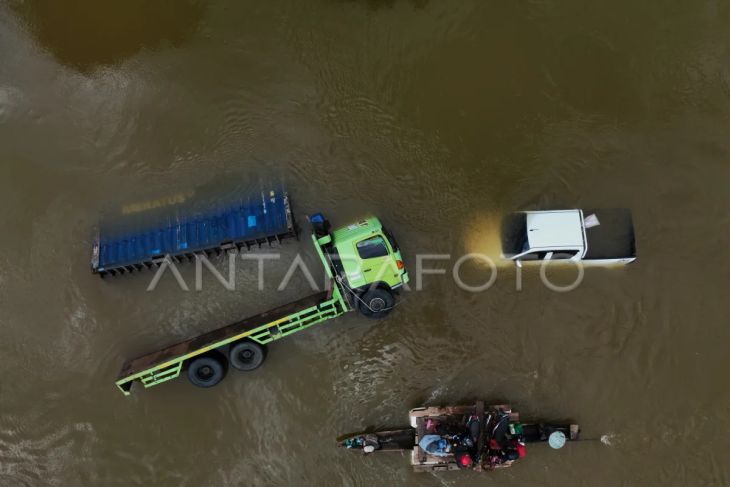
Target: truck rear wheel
{"type": "Point", "coordinates": [247, 356]}
{"type": "Point", "coordinates": [206, 371]}
{"type": "Point", "coordinates": [376, 303]}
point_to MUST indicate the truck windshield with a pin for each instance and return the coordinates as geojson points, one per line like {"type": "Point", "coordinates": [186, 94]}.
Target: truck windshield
{"type": "Point", "coordinates": [391, 239]}
{"type": "Point", "coordinates": [514, 234]}
{"type": "Point", "coordinates": [372, 247]}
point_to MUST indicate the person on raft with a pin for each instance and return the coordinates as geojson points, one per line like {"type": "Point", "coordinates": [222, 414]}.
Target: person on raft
{"type": "Point", "coordinates": [435, 445]}
{"type": "Point", "coordinates": [507, 452]}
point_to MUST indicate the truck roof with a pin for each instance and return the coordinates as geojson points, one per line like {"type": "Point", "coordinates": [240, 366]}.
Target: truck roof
{"type": "Point", "coordinates": [555, 229]}
{"type": "Point", "coordinates": [362, 228]}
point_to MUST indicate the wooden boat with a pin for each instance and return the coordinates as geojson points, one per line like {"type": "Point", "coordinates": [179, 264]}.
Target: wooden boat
{"type": "Point", "coordinates": [478, 438]}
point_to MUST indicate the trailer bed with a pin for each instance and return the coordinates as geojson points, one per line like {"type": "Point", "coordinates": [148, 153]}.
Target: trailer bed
{"type": "Point", "coordinates": [613, 238]}
{"type": "Point", "coordinates": [166, 364]}
{"type": "Point", "coordinates": [261, 219]}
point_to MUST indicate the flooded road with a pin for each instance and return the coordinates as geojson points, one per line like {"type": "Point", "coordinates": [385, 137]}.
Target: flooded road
{"type": "Point", "coordinates": [436, 116]}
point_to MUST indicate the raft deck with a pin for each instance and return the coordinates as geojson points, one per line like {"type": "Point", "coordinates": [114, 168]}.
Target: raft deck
{"type": "Point", "coordinates": [425, 462]}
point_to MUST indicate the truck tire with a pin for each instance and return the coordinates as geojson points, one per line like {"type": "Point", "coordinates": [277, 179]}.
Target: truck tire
{"type": "Point", "coordinates": [376, 303]}
{"type": "Point", "coordinates": [206, 371]}
{"type": "Point", "coordinates": [247, 356]}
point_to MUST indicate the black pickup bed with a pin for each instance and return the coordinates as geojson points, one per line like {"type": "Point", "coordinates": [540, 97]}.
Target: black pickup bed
{"type": "Point", "coordinates": [613, 238]}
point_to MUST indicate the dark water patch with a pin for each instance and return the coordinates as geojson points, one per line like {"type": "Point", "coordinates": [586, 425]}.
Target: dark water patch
{"type": "Point", "coordinates": [86, 34]}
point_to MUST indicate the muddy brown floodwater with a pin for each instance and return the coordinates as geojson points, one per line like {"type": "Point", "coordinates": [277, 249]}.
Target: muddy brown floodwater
{"type": "Point", "coordinates": [438, 116]}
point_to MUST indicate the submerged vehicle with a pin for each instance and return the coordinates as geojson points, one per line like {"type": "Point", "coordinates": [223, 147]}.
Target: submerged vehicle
{"type": "Point", "coordinates": [602, 237]}
{"type": "Point", "coordinates": [463, 437]}
{"type": "Point", "coordinates": [365, 270]}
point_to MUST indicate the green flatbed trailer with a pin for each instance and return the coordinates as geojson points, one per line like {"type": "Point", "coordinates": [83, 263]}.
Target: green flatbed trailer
{"type": "Point", "coordinates": [243, 342]}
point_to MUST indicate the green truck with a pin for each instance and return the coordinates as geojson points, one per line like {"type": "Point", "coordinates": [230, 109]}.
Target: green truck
{"type": "Point", "coordinates": [365, 268]}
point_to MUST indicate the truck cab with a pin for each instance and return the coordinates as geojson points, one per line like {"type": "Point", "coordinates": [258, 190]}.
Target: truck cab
{"type": "Point", "coordinates": [365, 260]}
{"type": "Point", "coordinates": [603, 237]}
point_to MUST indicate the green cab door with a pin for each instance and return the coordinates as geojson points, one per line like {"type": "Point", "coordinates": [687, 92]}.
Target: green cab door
{"type": "Point", "coordinates": [376, 262]}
